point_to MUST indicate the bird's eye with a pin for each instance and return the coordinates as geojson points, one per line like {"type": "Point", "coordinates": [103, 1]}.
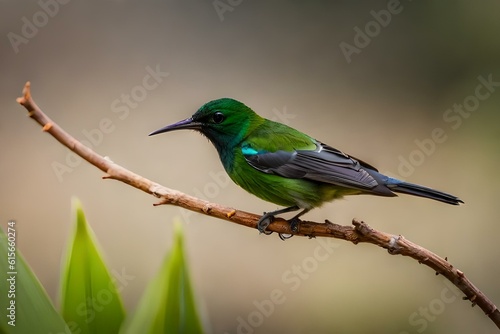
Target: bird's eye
{"type": "Point", "coordinates": [218, 117]}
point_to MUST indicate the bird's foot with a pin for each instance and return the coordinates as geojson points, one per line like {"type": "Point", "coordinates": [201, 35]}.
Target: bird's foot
{"type": "Point", "coordinates": [264, 222]}
{"type": "Point", "coordinates": [268, 218]}
{"type": "Point", "coordinates": [294, 224]}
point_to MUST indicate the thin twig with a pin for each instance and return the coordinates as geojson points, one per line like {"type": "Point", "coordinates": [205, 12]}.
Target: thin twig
{"type": "Point", "coordinates": [359, 232]}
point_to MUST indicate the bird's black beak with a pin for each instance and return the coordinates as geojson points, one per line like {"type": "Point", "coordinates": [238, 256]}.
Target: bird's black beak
{"type": "Point", "coordinates": [188, 123]}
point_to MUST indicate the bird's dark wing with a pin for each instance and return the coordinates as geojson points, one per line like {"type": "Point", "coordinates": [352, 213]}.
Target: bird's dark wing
{"type": "Point", "coordinates": [324, 164]}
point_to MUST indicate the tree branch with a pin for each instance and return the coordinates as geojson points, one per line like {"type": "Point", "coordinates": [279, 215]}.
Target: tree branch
{"type": "Point", "coordinates": [359, 232]}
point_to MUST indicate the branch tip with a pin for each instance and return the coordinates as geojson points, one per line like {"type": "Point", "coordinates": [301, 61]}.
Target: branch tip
{"type": "Point", "coordinates": [162, 201]}
{"type": "Point", "coordinates": [46, 127]}
{"type": "Point", "coordinates": [356, 222]}
{"type": "Point", "coordinates": [27, 90]}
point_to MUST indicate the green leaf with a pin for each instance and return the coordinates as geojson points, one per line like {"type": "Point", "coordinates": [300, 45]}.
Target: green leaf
{"type": "Point", "coordinates": [90, 302]}
{"type": "Point", "coordinates": [34, 312]}
{"type": "Point", "coordinates": [168, 304]}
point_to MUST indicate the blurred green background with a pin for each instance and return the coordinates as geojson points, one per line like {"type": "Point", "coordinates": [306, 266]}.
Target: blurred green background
{"type": "Point", "coordinates": [87, 62]}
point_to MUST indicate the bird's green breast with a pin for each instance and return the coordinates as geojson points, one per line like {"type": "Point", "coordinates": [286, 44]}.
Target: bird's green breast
{"type": "Point", "coordinates": [272, 137]}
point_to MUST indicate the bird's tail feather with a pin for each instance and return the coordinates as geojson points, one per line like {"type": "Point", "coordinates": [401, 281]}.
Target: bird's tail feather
{"type": "Point", "coordinates": [417, 190]}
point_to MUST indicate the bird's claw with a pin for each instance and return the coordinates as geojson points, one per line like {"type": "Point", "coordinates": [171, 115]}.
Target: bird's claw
{"type": "Point", "coordinates": [264, 222]}
{"type": "Point", "coordinates": [285, 236]}
{"type": "Point", "coordinates": [294, 224]}
{"type": "Point", "coordinates": [268, 218]}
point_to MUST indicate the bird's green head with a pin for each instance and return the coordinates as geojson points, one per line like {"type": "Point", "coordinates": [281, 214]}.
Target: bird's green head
{"type": "Point", "coordinates": [225, 122]}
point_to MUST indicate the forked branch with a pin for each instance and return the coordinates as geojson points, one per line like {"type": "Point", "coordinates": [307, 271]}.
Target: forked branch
{"type": "Point", "coordinates": [359, 232]}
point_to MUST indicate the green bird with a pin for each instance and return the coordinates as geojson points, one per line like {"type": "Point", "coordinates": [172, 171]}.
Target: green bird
{"type": "Point", "coordinates": [284, 166]}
